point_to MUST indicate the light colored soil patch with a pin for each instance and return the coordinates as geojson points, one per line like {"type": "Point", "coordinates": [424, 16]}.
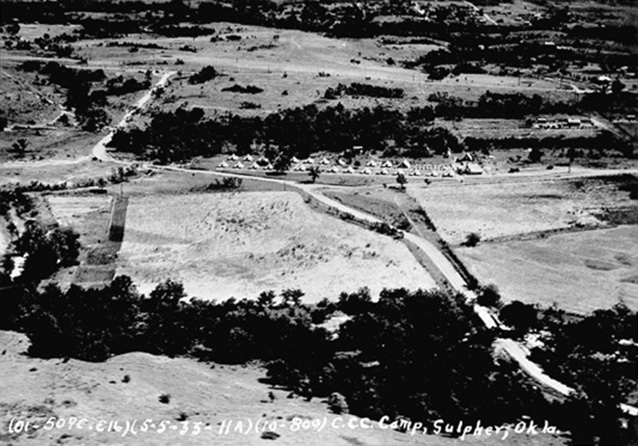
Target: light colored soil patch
{"type": "Point", "coordinates": [223, 245]}
{"type": "Point", "coordinates": [580, 272]}
{"type": "Point", "coordinates": [507, 209]}
{"type": "Point", "coordinates": [4, 237]}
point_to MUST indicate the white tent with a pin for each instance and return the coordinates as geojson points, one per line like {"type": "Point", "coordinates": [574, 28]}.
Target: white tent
{"type": "Point", "coordinates": [324, 161]}
{"type": "Point", "coordinates": [222, 164]}
{"type": "Point", "coordinates": [233, 157]}
{"type": "Point", "coordinates": [334, 169]}
{"type": "Point", "coordinates": [269, 167]}
{"type": "Point", "coordinates": [387, 164]}
{"type": "Point", "coordinates": [349, 170]}
{"type": "Point", "coordinates": [384, 172]}
{"type": "Point", "coordinates": [466, 157]}
{"type": "Point", "coordinates": [263, 160]}
{"type": "Point", "coordinates": [371, 163]}
{"type": "Point", "coordinates": [415, 173]}
{"type": "Point", "coordinates": [300, 168]}
{"type": "Point", "coordinates": [309, 161]}
{"type": "Point", "coordinates": [248, 158]}
{"type": "Point", "coordinates": [366, 171]}
{"type": "Point", "coordinates": [255, 166]}
{"type": "Point", "coordinates": [342, 163]}
{"type": "Point", "coordinates": [405, 164]}
{"type": "Point", "coordinates": [239, 165]}
{"type": "Point", "coordinates": [294, 159]}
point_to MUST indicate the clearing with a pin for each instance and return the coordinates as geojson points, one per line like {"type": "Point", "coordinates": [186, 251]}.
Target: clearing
{"type": "Point", "coordinates": [514, 208]}
{"type": "Point", "coordinates": [581, 271]}
{"type": "Point", "coordinates": [223, 245]}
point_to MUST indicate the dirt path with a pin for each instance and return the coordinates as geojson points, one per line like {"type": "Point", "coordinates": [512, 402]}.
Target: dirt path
{"type": "Point", "coordinates": [99, 150]}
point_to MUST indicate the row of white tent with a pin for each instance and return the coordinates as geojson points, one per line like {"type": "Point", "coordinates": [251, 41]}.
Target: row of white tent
{"type": "Point", "coordinates": [324, 162]}
{"type": "Point", "coordinates": [335, 169]}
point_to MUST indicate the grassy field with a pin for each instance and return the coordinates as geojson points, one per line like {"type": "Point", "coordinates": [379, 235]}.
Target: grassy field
{"type": "Point", "coordinates": [223, 245]}
{"type": "Point", "coordinates": [580, 272]}
{"type": "Point", "coordinates": [293, 67]}
{"type": "Point", "coordinates": [518, 207]}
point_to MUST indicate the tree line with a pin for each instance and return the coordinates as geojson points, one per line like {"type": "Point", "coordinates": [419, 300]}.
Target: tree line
{"type": "Point", "coordinates": [185, 133]}
{"type": "Point", "coordinates": [421, 355]}
{"type": "Point", "coordinates": [360, 89]}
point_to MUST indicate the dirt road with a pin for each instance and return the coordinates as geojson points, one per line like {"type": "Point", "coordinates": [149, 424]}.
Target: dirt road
{"type": "Point", "coordinates": [99, 150]}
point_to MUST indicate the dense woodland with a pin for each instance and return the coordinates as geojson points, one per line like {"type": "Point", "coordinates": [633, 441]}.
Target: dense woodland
{"type": "Point", "coordinates": [183, 134]}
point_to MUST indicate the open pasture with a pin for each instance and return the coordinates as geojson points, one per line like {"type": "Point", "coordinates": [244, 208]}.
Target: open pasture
{"type": "Point", "coordinates": [515, 208]}
{"type": "Point", "coordinates": [580, 272]}
{"type": "Point", "coordinates": [224, 245]}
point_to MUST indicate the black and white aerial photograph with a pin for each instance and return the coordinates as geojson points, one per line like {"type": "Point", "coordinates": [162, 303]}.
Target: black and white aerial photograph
{"type": "Point", "coordinates": [318, 222]}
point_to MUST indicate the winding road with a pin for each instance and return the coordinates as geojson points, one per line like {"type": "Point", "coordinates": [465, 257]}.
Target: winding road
{"type": "Point", "coordinates": [512, 348]}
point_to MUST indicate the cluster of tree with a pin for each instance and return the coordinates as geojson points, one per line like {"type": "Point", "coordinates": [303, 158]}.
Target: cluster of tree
{"type": "Point", "coordinates": [168, 30]}
{"type": "Point", "coordinates": [204, 75]}
{"type": "Point", "coordinates": [248, 89]}
{"type": "Point", "coordinates": [182, 134]}
{"type": "Point", "coordinates": [62, 75]}
{"type": "Point", "coordinates": [471, 49]}
{"type": "Point", "coordinates": [359, 89]}
{"type": "Point", "coordinates": [14, 198]}
{"type": "Point", "coordinates": [56, 45]}
{"type": "Point", "coordinates": [597, 145]}
{"type": "Point", "coordinates": [420, 354]}
{"type": "Point", "coordinates": [119, 85]}
{"type": "Point", "coordinates": [88, 103]}
{"type": "Point", "coordinates": [45, 251]}
{"type": "Point", "coordinates": [519, 105]}
{"type": "Point", "coordinates": [596, 355]}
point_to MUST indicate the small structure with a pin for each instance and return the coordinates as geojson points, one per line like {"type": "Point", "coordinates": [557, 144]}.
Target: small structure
{"type": "Point", "coordinates": [384, 172]}
{"type": "Point", "coordinates": [334, 169]}
{"type": "Point", "coordinates": [341, 162]}
{"type": "Point", "coordinates": [324, 161]}
{"type": "Point", "coordinates": [472, 169]}
{"type": "Point", "coordinates": [294, 160]}
{"type": "Point", "coordinates": [222, 165]}
{"type": "Point", "coordinates": [387, 164]}
{"type": "Point", "coordinates": [466, 157]}
{"type": "Point", "coordinates": [233, 157]}
{"type": "Point", "coordinates": [349, 170]}
{"type": "Point", "coordinates": [309, 160]}
{"type": "Point", "coordinates": [371, 163]}
{"type": "Point", "coordinates": [255, 166]}
{"type": "Point", "coordinates": [404, 164]}
{"type": "Point", "coordinates": [248, 158]}
{"type": "Point", "coordinates": [239, 165]}
{"type": "Point", "coordinates": [366, 171]}
{"type": "Point", "coordinates": [415, 173]}
{"type": "Point", "coordinates": [573, 122]}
